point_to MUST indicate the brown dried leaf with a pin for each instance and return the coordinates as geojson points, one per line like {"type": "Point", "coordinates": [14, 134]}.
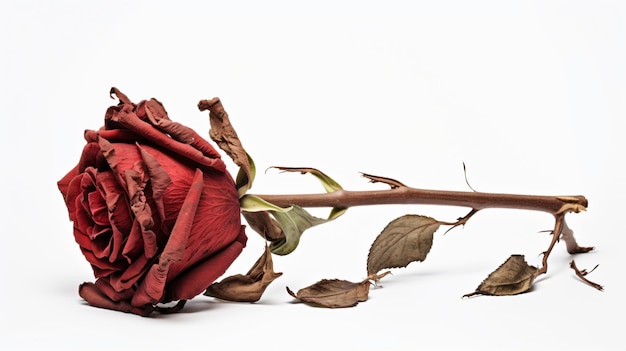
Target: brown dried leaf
{"type": "Point", "coordinates": [249, 287]}
{"type": "Point", "coordinates": [582, 274]}
{"type": "Point", "coordinates": [406, 239]}
{"type": "Point", "coordinates": [567, 235]}
{"type": "Point", "coordinates": [333, 293]}
{"type": "Point", "coordinates": [262, 223]}
{"type": "Point", "coordinates": [223, 133]}
{"type": "Point", "coordinates": [514, 276]}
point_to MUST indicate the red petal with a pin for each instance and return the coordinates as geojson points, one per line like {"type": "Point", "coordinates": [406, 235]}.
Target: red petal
{"type": "Point", "coordinates": [159, 180]}
{"type": "Point", "coordinates": [194, 281]}
{"type": "Point", "coordinates": [151, 289]}
{"type": "Point", "coordinates": [64, 183]}
{"type": "Point", "coordinates": [95, 297]}
{"type": "Point", "coordinates": [104, 285]}
{"type": "Point", "coordinates": [125, 279]}
{"type": "Point", "coordinates": [129, 120]}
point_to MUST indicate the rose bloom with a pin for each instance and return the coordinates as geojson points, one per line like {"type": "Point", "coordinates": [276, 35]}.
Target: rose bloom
{"type": "Point", "coordinates": [154, 210]}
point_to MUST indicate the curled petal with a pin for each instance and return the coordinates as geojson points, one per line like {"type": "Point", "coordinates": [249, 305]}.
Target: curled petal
{"type": "Point", "coordinates": [159, 180]}
{"type": "Point", "coordinates": [121, 96]}
{"type": "Point", "coordinates": [129, 120]}
{"type": "Point", "coordinates": [89, 157]}
{"type": "Point", "coordinates": [112, 135]}
{"type": "Point", "coordinates": [196, 280]}
{"type": "Point", "coordinates": [97, 298]}
{"type": "Point", "coordinates": [125, 279]}
{"type": "Point", "coordinates": [104, 285]}
{"type": "Point", "coordinates": [64, 183]}
{"type": "Point", "coordinates": [151, 289]}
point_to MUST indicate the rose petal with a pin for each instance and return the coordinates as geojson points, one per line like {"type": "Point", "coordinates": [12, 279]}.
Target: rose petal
{"type": "Point", "coordinates": [151, 289]}
{"type": "Point", "coordinates": [101, 244]}
{"type": "Point", "coordinates": [64, 183]}
{"type": "Point", "coordinates": [102, 268]}
{"type": "Point", "coordinates": [128, 277]}
{"type": "Point", "coordinates": [216, 225]}
{"type": "Point", "coordinates": [95, 297]}
{"type": "Point", "coordinates": [89, 157]}
{"type": "Point", "coordinates": [203, 145]}
{"type": "Point", "coordinates": [121, 96]}
{"type": "Point", "coordinates": [134, 244]}
{"type": "Point", "coordinates": [118, 211]}
{"type": "Point", "coordinates": [159, 180]}
{"type": "Point", "coordinates": [112, 135]}
{"type": "Point", "coordinates": [98, 209]}
{"type": "Point", "coordinates": [129, 120]}
{"type": "Point", "coordinates": [195, 280]}
{"type": "Point", "coordinates": [105, 287]}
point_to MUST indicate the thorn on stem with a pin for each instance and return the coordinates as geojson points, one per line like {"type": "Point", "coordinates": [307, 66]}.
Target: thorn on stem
{"type": "Point", "coordinates": [465, 174]}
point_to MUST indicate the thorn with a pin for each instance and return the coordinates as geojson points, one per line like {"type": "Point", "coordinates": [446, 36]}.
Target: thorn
{"type": "Point", "coordinates": [465, 174]}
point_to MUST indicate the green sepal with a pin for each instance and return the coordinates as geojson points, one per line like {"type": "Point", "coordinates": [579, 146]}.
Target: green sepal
{"type": "Point", "coordinates": [253, 203]}
{"type": "Point", "coordinates": [242, 182]}
{"type": "Point", "coordinates": [293, 223]}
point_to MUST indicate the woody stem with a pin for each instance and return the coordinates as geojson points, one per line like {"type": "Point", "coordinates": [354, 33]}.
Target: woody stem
{"type": "Point", "coordinates": [554, 205]}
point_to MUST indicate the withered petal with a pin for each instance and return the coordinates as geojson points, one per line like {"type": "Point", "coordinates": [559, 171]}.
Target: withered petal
{"type": "Point", "coordinates": [195, 280]}
{"type": "Point", "coordinates": [159, 179]}
{"type": "Point", "coordinates": [151, 289]}
{"type": "Point", "coordinates": [96, 298]}
{"type": "Point", "coordinates": [130, 121]}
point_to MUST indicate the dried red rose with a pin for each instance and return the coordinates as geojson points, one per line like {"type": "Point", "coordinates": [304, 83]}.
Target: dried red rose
{"type": "Point", "coordinates": [154, 211]}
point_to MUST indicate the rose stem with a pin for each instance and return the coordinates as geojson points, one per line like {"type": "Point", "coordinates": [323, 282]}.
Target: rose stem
{"type": "Point", "coordinates": [558, 206]}
{"type": "Point", "coordinates": [554, 205]}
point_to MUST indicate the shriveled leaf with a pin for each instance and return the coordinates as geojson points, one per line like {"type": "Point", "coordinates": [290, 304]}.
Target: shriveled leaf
{"type": "Point", "coordinates": [394, 184]}
{"type": "Point", "coordinates": [293, 223]}
{"type": "Point", "coordinates": [245, 177]}
{"type": "Point", "coordinates": [223, 133]}
{"type": "Point", "coordinates": [329, 184]}
{"type": "Point", "coordinates": [253, 203]}
{"type": "Point", "coordinates": [567, 235]}
{"type": "Point", "coordinates": [249, 287]}
{"type": "Point", "coordinates": [333, 293]}
{"type": "Point", "coordinates": [582, 274]}
{"type": "Point", "coordinates": [287, 228]}
{"type": "Point", "coordinates": [262, 223]}
{"type": "Point", "coordinates": [514, 276]}
{"type": "Point", "coordinates": [406, 239]}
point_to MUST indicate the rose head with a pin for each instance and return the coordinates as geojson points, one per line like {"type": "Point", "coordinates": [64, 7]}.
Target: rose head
{"type": "Point", "coordinates": [154, 211]}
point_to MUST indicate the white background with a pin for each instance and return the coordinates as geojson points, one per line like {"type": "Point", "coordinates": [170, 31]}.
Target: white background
{"type": "Point", "coordinates": [531, 95]}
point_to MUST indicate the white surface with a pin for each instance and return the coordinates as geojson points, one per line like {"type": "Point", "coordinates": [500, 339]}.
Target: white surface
{"type": "Point", "coordinates": [530, 95]}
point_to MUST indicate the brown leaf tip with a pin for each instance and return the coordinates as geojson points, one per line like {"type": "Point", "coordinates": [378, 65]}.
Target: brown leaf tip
{"type": "Point", "coordinates": [204, 105]}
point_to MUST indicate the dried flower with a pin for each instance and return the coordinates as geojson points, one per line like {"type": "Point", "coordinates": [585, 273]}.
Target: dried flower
{"type": "Point", "coordinates": [154, 211]}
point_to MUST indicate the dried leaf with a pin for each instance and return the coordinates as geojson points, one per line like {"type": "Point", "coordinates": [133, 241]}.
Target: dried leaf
{"type": "Point", "coordinates": [514, 276]}
{"type": "Point", "coordinates": [286, 230]}
{"type": "Point", "coordinates": [406, 239]}
{"type": "Point", "coordinates": [394, 184]}
{"type": "Point", "coordinates": [582, 274]}
{"type": "Point", "coordinates": [333, 293]}
{"type": "Point", "coordinates": [567, 235]}
{"type": "Point", "coordinates": [249, 287]}
{"type": "Point", "coordinates": [223, 133]}
{"type": "Point", "coordinates": [293, 222]}
{"type": "Point", "coordinates": [262, 223]}
{"type": "Point", "coordinates": [329, 184]}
